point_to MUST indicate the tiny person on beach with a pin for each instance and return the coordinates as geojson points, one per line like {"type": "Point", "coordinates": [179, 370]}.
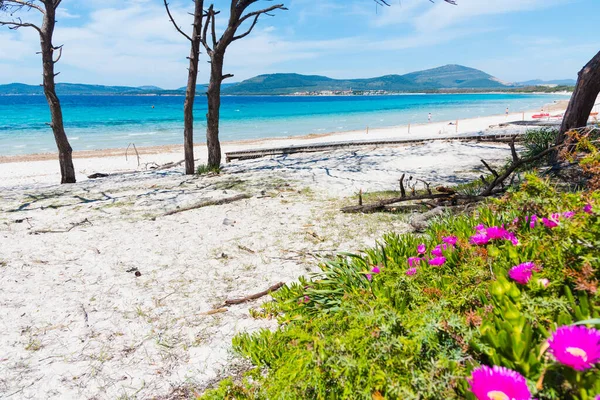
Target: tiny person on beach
{"type": "Point", "coordinates": [429, 118]}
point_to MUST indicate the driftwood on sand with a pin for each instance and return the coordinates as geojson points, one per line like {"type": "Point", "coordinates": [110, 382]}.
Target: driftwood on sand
{"type": "Point", "coordinates": [207, 203]}
{"type": "Point", "coordinates": [491, 188]}
{"type": "Point", "coordinates": [246, 299]}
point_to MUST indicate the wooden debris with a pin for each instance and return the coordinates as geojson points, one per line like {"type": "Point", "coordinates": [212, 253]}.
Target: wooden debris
{"type": "Point", "coordinates": [207, 203]}
{"type": "Point", "coordinates": [73, 226]}
{"type": "Point", "coordinates": [97, 175]}
{"type": "Point", "coordinates": [246, 299]}
{"type": "Point", "coordinates": [215, 311]}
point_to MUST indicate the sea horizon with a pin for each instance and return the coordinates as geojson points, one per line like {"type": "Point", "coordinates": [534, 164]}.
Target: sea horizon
{"type": "Point", "coordinates": [116, 121]}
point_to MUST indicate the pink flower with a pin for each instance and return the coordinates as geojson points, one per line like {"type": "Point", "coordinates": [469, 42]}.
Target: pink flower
{"type": "Point", "coordinates": [534, 219]}
{"type": "Point", "coordinates": [576, 346]}
{"type": "Point", "coordinates": [451, 240]}
{"type": "Point", "coordinates": [512, 238]}
{"type": "Point", "coordinates": [587, 209]}
{"type": "Point", "coordinates": [522, 273]}
{"type": "Point", "coordinates": [369, 277]}
{"type": "Point", "coordinates": [498, 383]}
{"type": "Point", "coordinates": [421, 248]}
{"type": "Point", "coordinates": [438, 251]}
{"type": "Point", "coordinates": [375, 270]}
{"type": "Point", "coordinates": [480, 227]}
{"type": "Point", "coordinates": [411, 271]}
{"type": "Point", "coordinates": [544, 282]}
{"type": "Point", "coordinates": [495, 232]}
{"type": "Point", "coordinates": [568, 214]}
{"type": "Point", "coordinates": [437, 261]}
{"type": "Point", "coordinates": [550, 223]}
{"type": "Point", "coordinates": [414, 261]}
{"type": "Point", "coordinates": [480, 239]}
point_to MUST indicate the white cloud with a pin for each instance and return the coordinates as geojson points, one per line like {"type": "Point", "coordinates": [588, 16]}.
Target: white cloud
{"type": "Point", "coordinates": [442, 15]}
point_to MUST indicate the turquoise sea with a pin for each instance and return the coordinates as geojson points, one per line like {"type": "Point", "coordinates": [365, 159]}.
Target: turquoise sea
{"type": "Point", "coordinates": [100, 122]}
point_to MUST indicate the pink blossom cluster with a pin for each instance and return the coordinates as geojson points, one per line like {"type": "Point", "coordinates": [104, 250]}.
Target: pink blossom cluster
{"type": "Point", "coordinates": [486, 235]}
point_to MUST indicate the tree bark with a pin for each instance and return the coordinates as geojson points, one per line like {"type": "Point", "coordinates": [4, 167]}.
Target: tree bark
{"type": "Point", "coordinates": [214, 109]}
{"type": "Point", "coordinates": [190, 94]}
{"type": "Point", "coordinates": [583, 99]}
{"type": "Point", "coordinates": [65, 151]}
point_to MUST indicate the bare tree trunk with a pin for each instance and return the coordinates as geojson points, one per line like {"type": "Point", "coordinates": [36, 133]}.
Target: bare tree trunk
{"type": "Point", "coordinates": [65, 151]}
{"type": "Point", "coordinates": [190, 94]}
{"type": "Point", "coordinates": [214, 109]}
{"type": "Point", "coordinates": [582, 101]}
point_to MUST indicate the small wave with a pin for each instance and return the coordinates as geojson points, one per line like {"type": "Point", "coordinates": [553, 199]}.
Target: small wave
{"type": "Point", "coordinates": [142, 134]}
{"type": "Point", "coordinates": [74, 138]}
{"type": "Point", "coordinates": [20, 146]}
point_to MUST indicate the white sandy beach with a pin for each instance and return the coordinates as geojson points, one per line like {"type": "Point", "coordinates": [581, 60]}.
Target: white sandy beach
{"type": "Point", "coordinates": [43, 168]}
{"type": "Point", "coordinates": [78, 322]}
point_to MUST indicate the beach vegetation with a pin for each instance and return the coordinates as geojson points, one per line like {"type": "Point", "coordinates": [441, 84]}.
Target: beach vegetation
{"type": "Point", "coordinates": [204, 169]}
{"type": "Point", "coordinates": [501, 302]}
{"type": "Point", "coordinates": [538, 140]}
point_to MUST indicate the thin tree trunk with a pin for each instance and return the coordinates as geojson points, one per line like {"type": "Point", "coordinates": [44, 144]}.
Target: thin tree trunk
{"type": "Point", "coordinates": [190, 94]}
{"type": "Point", "coordinates": [583, 99]}
{"type": "Point", "coordinates": [214, 108]}
{"type": "Point", "coordinates": [65, 151]}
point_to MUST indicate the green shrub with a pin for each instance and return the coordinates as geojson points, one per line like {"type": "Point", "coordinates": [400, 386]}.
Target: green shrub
{"type": "Point", "coordinates": [363, 328]}
{"type": "Point", "coordinates": [204, 169]}
{"type": "Point", "coordinates": [536, 141]}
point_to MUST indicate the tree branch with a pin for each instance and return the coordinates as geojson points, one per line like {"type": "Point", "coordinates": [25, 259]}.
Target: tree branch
{"type": "Point", "coordinates": [20, 24]}
{"type": "Point", "coordinates": [209, 50]}
{"type": "Point", "coordinates": [259, 12]}
{"type": "Point", "coordinates": [60, 49]}
{"type": "Point", "coordinates": [256, 15]}
{"type": "Point", "coordinates": [24, 3]}
{"type": "Point", "coordinates": [174, 23]}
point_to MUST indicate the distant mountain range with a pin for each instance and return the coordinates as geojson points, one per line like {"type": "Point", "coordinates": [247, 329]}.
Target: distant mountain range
{"type": "Point", "coordinates": [446, 78]}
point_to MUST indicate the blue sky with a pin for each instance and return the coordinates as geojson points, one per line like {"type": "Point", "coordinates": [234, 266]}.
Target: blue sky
{"type": "Point", "coordinates": [118, 42]}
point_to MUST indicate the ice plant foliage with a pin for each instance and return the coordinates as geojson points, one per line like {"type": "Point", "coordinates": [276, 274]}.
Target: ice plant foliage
{"type": "Point", "coordinates": [498, 383]}
{"type": "Point", "coordinates": [576, 346]}
{"type": "Point", "coordinates": [522, 273]}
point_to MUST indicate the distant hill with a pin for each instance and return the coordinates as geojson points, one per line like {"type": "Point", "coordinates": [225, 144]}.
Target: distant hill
{"type": "Point", "coordinates": [456, 78]}
{"type": "Point", "coordinates": [446, 77]}
{"type": "Point", "coordinates": [558, 82]}
{"type": "Point", "coordinates": [79, 89]}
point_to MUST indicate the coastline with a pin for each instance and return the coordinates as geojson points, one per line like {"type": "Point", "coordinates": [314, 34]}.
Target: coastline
{"type": "Point", "coordinates": [468, 125]}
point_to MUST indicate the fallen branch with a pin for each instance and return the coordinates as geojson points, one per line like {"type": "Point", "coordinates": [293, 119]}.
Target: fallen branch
{"type": "Point", "coordinates": [207, 203]}
{"type": "Point", "coordinates": [73, 226]}
{"type": "Point", "coordinates": [402, 190]}
{"type": "Point", "coordinates": [381, 205]}
{"type": "Point", "coordinates": [215, 311]}
{"type": "Point", "coordinates": [136, 152]}
{"type": "Point", "coordinates": [516, 164]}
{"type": "Point", "coordinates": [270, 290]}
